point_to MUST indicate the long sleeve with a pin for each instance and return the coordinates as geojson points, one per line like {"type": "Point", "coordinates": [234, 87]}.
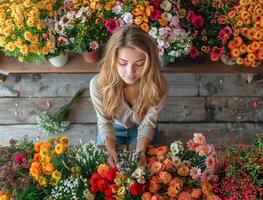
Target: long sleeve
{"type": "Point", "coordinates": [105, 126]}
{"type": "Point", "coordinates": [149, 122]}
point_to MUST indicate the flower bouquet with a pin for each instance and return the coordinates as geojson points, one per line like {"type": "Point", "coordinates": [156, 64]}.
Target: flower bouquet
{"type": "Point", "coordinates": [183, 173]}
{"type": "Point", "coordinates": [23, 32]}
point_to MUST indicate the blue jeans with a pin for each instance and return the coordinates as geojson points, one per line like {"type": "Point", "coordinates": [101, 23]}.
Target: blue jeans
{"type": "Point", "coordinates": [123, 135]}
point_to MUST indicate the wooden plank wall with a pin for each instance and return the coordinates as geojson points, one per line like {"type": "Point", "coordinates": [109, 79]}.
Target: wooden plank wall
{"type": "Point", "coordinates": [222, 106]}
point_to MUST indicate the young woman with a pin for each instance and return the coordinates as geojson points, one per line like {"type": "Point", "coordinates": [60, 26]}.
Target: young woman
{"type": "Point", "coordinates": [129, 92]}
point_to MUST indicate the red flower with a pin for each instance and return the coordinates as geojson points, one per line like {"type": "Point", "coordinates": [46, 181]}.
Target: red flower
{"type": "Point", "coordinates": [108, 192]}
{"type": "Point", "coordinates": [190, 16]}
{"type": "Point", "coordinates": [155, 15]}
{"type": "Point", "coordinates": [94, 178]}
{"type": "Point", "coordinates": [102, 185]}
{"type": "Point", "coordinates": [111, 174]}
{"type": "Point", "coordinates": [193, 52]}
{"type": "Point", "coordinates": [156, 3]}
{"type": "Point", "coordinates": [19, 158]}
{"type": "Point", "coordinates": [110, 198]}
{"type": "Point", "coordinates": [94, 188]}
{"type": "Point", "coordinates": [136, 188]}
{"type": "Point", "coordinates": [112, 25]}
{"type": "Point", "coordinates": [198, 21]}
{"type": "Point", "coordinates": [217, 51]}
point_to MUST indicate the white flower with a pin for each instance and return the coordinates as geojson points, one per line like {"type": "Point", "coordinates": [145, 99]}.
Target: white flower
{"type": "Point", "coordinates": [166, 5]}
{"type": "Point", "coordinates": [174, 21]}
{"type": "Point", "coordinates": [160, 42]}
{"type": "Point", "coordinates": [174, 148]}
{"type": "Point", "coordinates": [153, 32]}
{"type": "Point", "coordinates": [127, 18]}
{"type": "Point", "coordinates": [117, 9]}
{"type": "Point", "coordinates": [166, 15]}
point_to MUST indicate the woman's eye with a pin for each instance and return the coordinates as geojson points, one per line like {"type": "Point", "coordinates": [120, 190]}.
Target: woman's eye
{"type": "Point", "coordinates": [122, 64]}
{"type": "Point", "coordinates": [139, 64]}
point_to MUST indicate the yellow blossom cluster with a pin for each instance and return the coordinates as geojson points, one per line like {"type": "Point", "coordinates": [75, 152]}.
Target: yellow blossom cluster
{"type": "Point", "coordinates": [22, 28]}
{"type": "Point", "coordinates": [247, 45]}
{"type": "Point", "coordinates": [93, 4]}
{"type": "Point", "coordinates": [42, 168]}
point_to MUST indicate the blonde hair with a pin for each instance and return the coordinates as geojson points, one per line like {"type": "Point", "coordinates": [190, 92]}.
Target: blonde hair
{"type": "Point", "coordinates": [152, 85]}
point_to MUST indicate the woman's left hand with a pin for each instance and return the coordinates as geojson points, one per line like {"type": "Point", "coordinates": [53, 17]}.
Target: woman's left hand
{"type": "Point", "coordinates": [142, 159]}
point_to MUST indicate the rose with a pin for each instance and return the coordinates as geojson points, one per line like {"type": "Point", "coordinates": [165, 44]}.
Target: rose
{"type": "Point", "coordinates": [154, 186]}
{"type": "Point", "coordinates": [111, 174]}
{"type": "Point", "coordinates": [184, 196]}
{"type": "Point", "coordinates": [146, 196]}
{"type": "Point", "coordinates": [161, 151]}
{"type": "Point", "coordinates": [94, 178]}
{"type": "Point", "coordinates": [183, 171]}
{"type": "Point", "coordinates": [165, 177]}
{"type": "Point", "coordinates": [135, 188]}
{"type": "Point", "coordinates": [196, 193]}
{"type": "Point", "coordinates": [156, 167]}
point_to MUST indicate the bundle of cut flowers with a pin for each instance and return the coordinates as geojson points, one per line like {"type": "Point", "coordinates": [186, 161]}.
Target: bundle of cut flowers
{"type": "Point", "coordinates": [243, 173]}
{"type": "Point", "coordinates": [182, 172]}
{"type": "Point", "coordinates": [54, 123]}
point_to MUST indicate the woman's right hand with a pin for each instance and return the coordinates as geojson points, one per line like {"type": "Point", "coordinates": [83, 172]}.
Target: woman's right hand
{"type": "Point", "coordinates": [113, 157]}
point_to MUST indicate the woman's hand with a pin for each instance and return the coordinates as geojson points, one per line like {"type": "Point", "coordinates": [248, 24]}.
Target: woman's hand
{"type": "Point", "coordinates": [142, 159]}
{"type": "Point", "coordinates": [113, 157]}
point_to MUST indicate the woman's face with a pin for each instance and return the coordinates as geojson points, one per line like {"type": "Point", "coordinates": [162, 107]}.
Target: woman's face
{"type": "Point", "coordinates": [130, 64]}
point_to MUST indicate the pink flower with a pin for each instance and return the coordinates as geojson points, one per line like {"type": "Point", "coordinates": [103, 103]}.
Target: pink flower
{"type": "Point", "coordinates": [222, 19]}
{"type": "Point", "coordinates": [210, 162]}
{"type": "Point", "coordinates": [202, 150]}
{"type": "Point", "coordinates": [68, 6]}
{"type": "Point", "coordinates": [155, 15]}
{"type": "Point", "coordinates": [199, 138]}
{"type": "Point", "coordinates": [198, 21]}
{"type": "Point", "coordinates": [217, 51]}
{"type": "Point", "coordinates": [190, 16]}
{"type": "Point", "coordinates": [156, 3]}
{"type": "Point", "coordinates": [19, 158]}
{"type": "Point", "coordinates": [193, 52]}
{"type": "Point", "coordinates": [112, 25]}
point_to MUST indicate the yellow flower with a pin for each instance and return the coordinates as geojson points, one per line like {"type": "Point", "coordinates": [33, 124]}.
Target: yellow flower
{"type": "Point", "coordinates": [33, 48]}
{"type": "Point", "coordinates": [240, 61]}
{"type": "Point", "coordinates": [45, 159]}
{"type": "Point", "coordinates": [40, 25]}
{"type": "Point", "coordinates": [56, 175]}
{"type": "Point", "coordinates": [2, 41]}
{"type": "Point", "coordinates": [34, 39]}
{"type": "Point", "coordinates": [49, 7]}
{"type": "Point", "coordinates": [44, 152]}
{"type": "Point", "coordinates": [59, 148]}
{"type": "Point", "coordinates": [63, 140]}
{"type": "Point", "coordinates": [47, 168]}
{"type": "Point", "coordinates": [54, 182]}
{"type": "Point", "coordinates": [45, 51]}
{"type": "Point", "coordinates": [27, 3]}
{"type": "Point", "coordinates": [24, 49]}
{"type": "Point", "coordinates": [251, 57]}
{"type": "Point", "coordinates": [30, 22]}
{"type": "Point", "coordinates": [10, 46]}
{"type": "Point", "coordinates": [42, 181]}
{"type": "Point", "coordinates": [243, 48]}
{"type": "Point", "coordinates": [28, 35]}
{"type": "Point", "coordinates": [20, 59]}
{"type": "Point", "coordinates": [50, 45]}
{"type": "Point", "coordinates": [121, 191]}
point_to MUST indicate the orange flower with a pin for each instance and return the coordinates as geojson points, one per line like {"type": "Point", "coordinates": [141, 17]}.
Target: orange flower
{"type": "Point", "coordinates": [206, 187]}
{"type": "Point", "coordinates": [37, 146]}
{"type": "Point", "coordinates": [37, 157]}
{"type": "Point", "coordinates": [145, 27]}
{"type": "Point", "coordinates": [196, 193]}
{"type": "Point", "coordinates": [102, 169]}
{"type": "Point", "coordinates": [138, 20]}
{"type": "Point", "coordinates": [150, 161]}
{"type": "Point", "coordinates": [238, 41]}
{"type": "Point", "coordinates": [231, 14]}
{"type": "Point", "coordinates": [145, 18]}
{"type": "Point", "coordinates": [250, 48]}
{"type": "Point", "coordinates": [232, 44]}
{"type": "Point", "coordinates": [177, 182]}
{"type": "Point", "coordinates": [259, 11]}
{"type": "Point", "coordinates": [244, 31]}
{"type": "Point", "coordinates": [163, 22]}
{"type": "Point", "coordinates": [244, 15]}
{"type": "Point", "coordinates": [47, 168]}
{"type": "Point", "coordinates": [240, 61]}
{"type": "Point", "coordinates": [35, 171]}
{"type": "Point", "coordinates": [168, 164]}
{"type": "Point", "coordinates": [258, 35]}
{"type": "Point", "coordinates": [160, 158]}
{"type": "Point", "coordinates": [149, 10]}
{"type": "Point", "coordinates": [183, 171]}
{"type": "Point", "coordinates": [146, 196]}
{"type": "Point", "coordinates": [4, 197]}
{"type": "Point", "coordinates": [156, 167]}
{"type": "Point", "coordinates": [184, 196]}
{"type": "Point", "coordinates": [162, 151]}
{"type": "Point", "coordinates": [154, 187]}
{"type": "Point", "coordinates": [59, 148]}
{"type": "Point", "coordinates": [45, 145]}
{"type": "Point", "coordinates": [151, 151]}
{"type": "Point", "coordinates": [63, 140]}
{"type": "Point", "coordinates": [137, 12]}
{"type": "Point", "coordinates": [165, 177]}
{"type": "Point", "coordinates": [251, 57]}
{"type": "Point", "coordinates": [256, 45]}
{"type": "Point", "coordinates": [173, 191]}
{"type": "Point", "coordinates": [108, 6]}
{"type": "Point", "coordinates": [156, 197]}
{"type": "Point", "coordinates": [235, 53]}
{"type": "Point", "coordinates": [243, 48]}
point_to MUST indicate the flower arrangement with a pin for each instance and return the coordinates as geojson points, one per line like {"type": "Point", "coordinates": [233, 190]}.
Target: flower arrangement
{"type": "Point", "coordinates": [46, 161]}
{"type": "Point", "coordinates": [182, 173]}
{"type": "Point", "coordinates": [242, 177]}
{"type": "Point", "coordinates": [246, 45]}
{"type": "Point", "coordinates": [55, 122]}
{"type": "Point", "coordinates": [23, 32]}
{"type": "Point", "coordinates": [14, 168]}
{"type": "Point", "coordinates": [198, 19]}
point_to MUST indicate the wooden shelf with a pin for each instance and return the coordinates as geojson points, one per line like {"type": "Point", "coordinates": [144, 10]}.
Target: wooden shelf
{"type": "Point", "coordinates": [77, 64]}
